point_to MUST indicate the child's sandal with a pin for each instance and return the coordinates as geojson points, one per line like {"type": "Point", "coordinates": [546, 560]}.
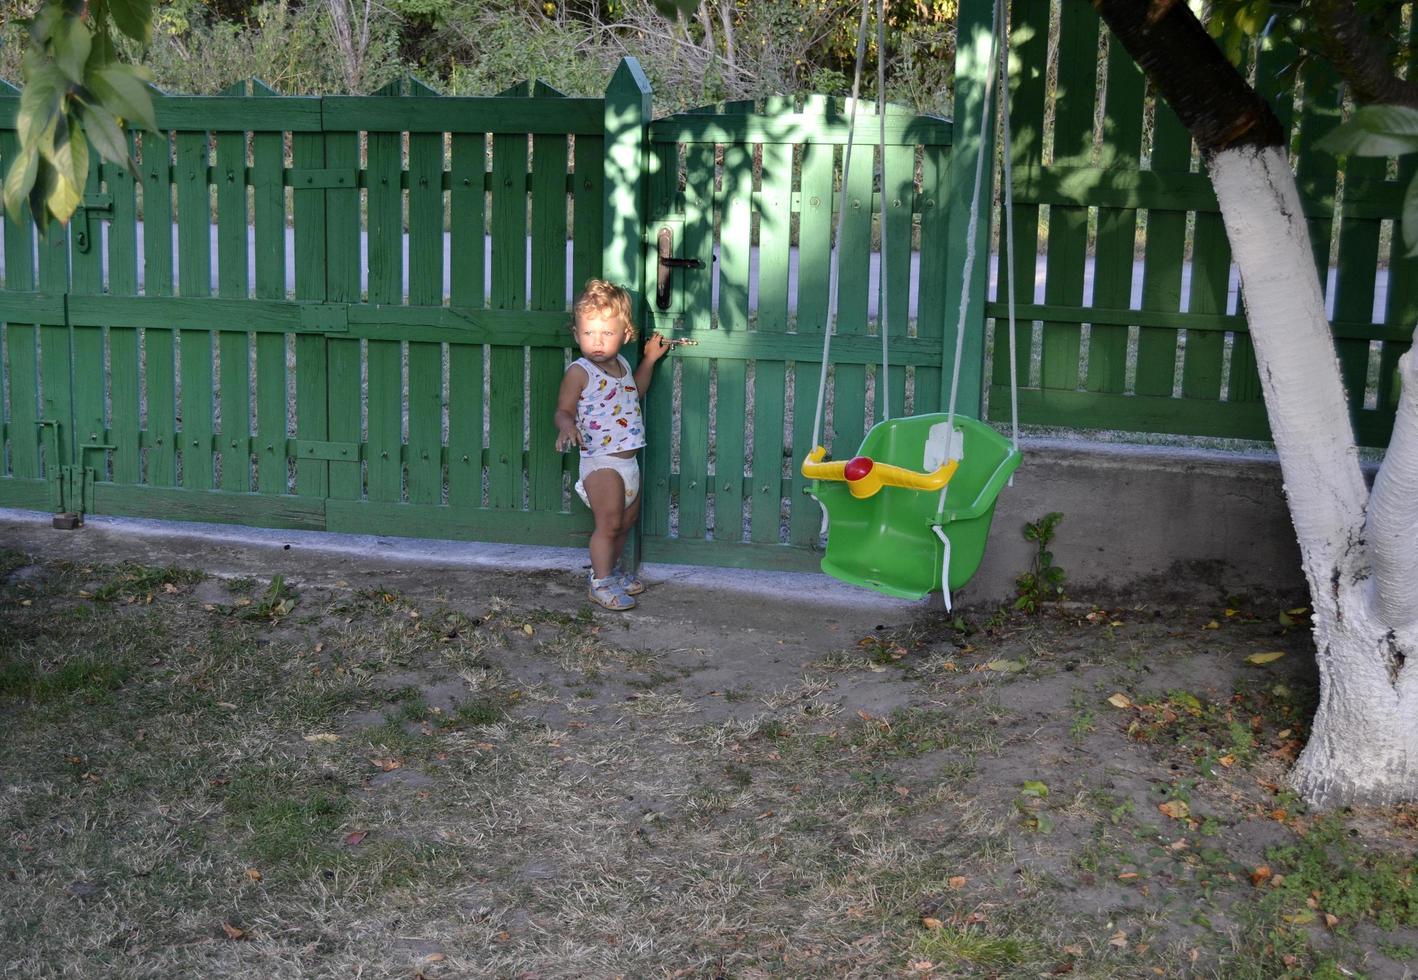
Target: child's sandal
{"type": "Point", "coordinates": [627, 581]}
{"type": "Point", "coordinates": [608, 593]}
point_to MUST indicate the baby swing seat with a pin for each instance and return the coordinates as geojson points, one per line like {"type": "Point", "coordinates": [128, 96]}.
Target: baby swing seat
{"type": "Point", "coordinates": [909, 540]}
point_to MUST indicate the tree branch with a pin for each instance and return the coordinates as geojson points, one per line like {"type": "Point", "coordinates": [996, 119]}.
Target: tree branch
{"type": "Point", "coordinates": [1393, 511]}
{"type": "Point", "coordinates": [1203, 88]}
{"type": "Point", "coordinates": [1351, 44]}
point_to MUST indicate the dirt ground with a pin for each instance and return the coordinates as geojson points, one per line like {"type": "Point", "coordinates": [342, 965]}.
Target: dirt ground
{"type": "Point", "coordinates": [235, 762]}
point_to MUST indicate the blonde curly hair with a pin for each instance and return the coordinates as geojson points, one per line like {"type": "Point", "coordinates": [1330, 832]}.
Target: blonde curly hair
{"type": "Point", "coordinates": [604, 298]}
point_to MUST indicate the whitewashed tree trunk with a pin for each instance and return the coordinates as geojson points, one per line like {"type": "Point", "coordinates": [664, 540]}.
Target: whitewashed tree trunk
{"type": "Point", "coordinates": [1362, 567]}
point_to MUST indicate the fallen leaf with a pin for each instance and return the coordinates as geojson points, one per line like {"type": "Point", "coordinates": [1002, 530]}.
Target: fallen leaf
{"type": "Point", "coordinates": [1213, 625]}
{"type": "Point", "coordinates": [1127, 876]}
{"type": "Point", "coordinates": [1118, 939]}
{"type": "Point", "coordinates": [434, 958]}
{"type": "Point", "coordinates": [1120, 700]}
{"type": "Point", "coordinates": [1005, 666]}
{"type": "Point", "coordinates": [1176, 809]}
{"type": "Point", "coordinates": [253, 873]}
{"type": "Point", "coordinates": [227, 705]}
{"type": "Point", "coordinates": [232, 932]}
{"type": "Point", "coordinates": [1299, 918]}
{"type": "Point", "coordinates": [1074, 949]}
{"type": "Point", "coordinates": [1299, 611]}
{"type": "Point", "coordinates": [930, 923]}
{"type": "Point", "coordinates": [354, 838]}
{"type": "Point", "coordinates": [325, 737]}
{"type": "Point", "coordinates": [1331, 920]}
{"type": "Point", "coordinates": [1032, 787]}
{"type": "Point", "coordinates": [902, 791]}
{"type": "Point", "coordinates": [956, 881]}
{"type": "Point", "coordinates": [388, 765]}
{"type": "Point", "coordinates": [527, 629]}
{"type": "Point", "coordinates": [1227, 760]}
{"type": "Point", "coordinates": [1260, 875]}
{"type": "Point", "coordinates": [921, 966]}
{"type": "Point", "coordinates": [320, 648]}
{"type": "Point", "coordinates": [1265, 658]}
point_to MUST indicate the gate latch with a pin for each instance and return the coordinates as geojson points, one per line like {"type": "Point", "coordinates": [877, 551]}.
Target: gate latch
{"type": "Point", "coordinates": [665, 246]}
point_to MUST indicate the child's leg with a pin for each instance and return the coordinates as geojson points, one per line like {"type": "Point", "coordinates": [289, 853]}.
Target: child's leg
{"type": "Point", "coordinates": [632, 512]}
{"type": "Point", "coordinates": [605, 490]}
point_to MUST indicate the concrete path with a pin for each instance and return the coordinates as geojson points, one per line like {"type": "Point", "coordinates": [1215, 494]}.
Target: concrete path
{"type": "Point", "coordinates": [761, 600]}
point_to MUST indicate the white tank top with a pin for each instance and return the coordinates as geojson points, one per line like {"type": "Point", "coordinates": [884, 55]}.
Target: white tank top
{"type": "Point", "coordinates": [608, 412]}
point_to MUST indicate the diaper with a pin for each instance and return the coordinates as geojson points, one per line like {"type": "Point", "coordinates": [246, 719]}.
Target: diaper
{"type": "Point", "coordinates": [626, 466]}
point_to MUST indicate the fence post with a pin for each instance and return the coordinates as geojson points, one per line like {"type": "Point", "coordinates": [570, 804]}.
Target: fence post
{"type": "Point", "coordinates": [972, 67]}
{"type": "Point", "coordinates": [627, 131]}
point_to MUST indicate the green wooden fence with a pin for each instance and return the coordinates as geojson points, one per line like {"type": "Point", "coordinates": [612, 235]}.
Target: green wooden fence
{"type": "Point", "coordinates": [1115, 197]}
{"type": "Point", "coordinates": [313, 341]}
{"type": "Point", "coordinates": [350, 313]}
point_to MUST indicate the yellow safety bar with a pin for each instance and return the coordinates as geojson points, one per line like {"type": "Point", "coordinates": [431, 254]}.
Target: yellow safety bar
{"type": "Point", "coordinates": [864, 476]}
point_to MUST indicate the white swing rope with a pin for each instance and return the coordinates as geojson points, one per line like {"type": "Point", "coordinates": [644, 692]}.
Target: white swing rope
{"type": "Point", "coordinates": [883, 383]}
{"type": "Point", "coordinates": [999, 40]}
{"type": "Point", "coordinates": [1002, 43]}
{"type": "Point", "coordinates": [836, 250]}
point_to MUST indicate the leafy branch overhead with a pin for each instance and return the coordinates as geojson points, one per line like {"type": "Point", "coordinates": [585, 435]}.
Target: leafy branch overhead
{"type": "Point", "coordinates": [77, 93]}
{"type": "Point", "coordinates": [1383, 131]}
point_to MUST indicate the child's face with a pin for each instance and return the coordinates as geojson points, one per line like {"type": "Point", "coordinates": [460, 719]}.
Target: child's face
{"type": "Point", "coordinates": [600, 335]}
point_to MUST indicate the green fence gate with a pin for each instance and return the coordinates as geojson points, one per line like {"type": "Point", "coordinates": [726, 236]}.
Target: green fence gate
{"type": "Point", "coordinates": [738, 242]}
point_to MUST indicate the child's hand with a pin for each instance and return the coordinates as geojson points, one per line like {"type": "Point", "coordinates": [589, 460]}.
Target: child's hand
{"type": "Point", "coordinates": [569, 437]}
{"type": "Point", "coordinates": [656, 346]}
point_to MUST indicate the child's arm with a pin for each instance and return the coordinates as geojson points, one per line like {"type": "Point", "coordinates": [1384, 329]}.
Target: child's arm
{"type": "Point", "coordinates": [656, 347]}
{"type": "Point", "coordinates": [571, 384]}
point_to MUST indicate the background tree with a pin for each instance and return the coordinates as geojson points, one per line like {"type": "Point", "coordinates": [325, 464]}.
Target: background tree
{"type": "Point", "coordinates": [1359, 548]}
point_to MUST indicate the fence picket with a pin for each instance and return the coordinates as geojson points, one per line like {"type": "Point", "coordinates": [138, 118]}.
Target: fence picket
{"type": "Point", "coordinates": [234, 345]}
{"type": "Point", "coordinates": [550, 157]}
{"type": "Point", "coordinates": [194, 275]}
{"type": "Point", "coordinates": [775, 217]}
{"type": "Point", "coordinates": [506, 434]}
{"type": "Point", "coordinates": [468, 208]}
{"type": "Point", "coordinates": [269, 215]}
{"type": "Point", "coordinates": [425, 405]}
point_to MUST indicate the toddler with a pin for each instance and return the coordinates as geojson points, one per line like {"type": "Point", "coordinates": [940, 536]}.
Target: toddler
{"type": "Point", "coordinates": [598, 409]}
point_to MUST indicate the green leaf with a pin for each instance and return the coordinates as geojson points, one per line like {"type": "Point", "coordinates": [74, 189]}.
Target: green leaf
{"type": "Point", "coordinates": [71, 160]}
{"type": "Point", "coordinates": [1410, 217]}
{"type": "Point", "coordinates": [134, 18]}
{"type": "Point", "coordinates": [1375, 131]}
{"type": "Point", "coordinates": [41, 103]}
{"type": "Point", "coordinates": [106, 137]}
{"type": "Point", "coordinates": [19, 181]}
{"type": "Point", "coordinates": [1033, 787]}
{"type": "Point", "coordinates": [119, 90]}
{"type": "Point", "coordinates": [72, 43]}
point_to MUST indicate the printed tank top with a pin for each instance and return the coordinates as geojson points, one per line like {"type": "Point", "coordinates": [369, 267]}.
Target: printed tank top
{"type": "Point", "coordinates": [608, 413]}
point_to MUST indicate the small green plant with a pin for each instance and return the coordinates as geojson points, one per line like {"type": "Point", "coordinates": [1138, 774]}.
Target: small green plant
{"type": "Point", "coordinates": [279, 600]}
{"type": "Point", "coordinates": [1044, 580]}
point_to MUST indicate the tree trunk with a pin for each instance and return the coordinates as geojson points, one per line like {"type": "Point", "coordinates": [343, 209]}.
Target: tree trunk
{"type": "Point", "coordinates": [1363, 577]}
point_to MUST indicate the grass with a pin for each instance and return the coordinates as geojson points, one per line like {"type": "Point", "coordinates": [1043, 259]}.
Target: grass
{"type": "Point", "coordinates": [399, 785]}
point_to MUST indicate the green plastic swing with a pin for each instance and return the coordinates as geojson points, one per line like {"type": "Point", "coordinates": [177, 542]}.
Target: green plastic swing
{"type": "Point", "coordinates": [910, 514]}
{"type": "Point", "coordinates": [889, 541]}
